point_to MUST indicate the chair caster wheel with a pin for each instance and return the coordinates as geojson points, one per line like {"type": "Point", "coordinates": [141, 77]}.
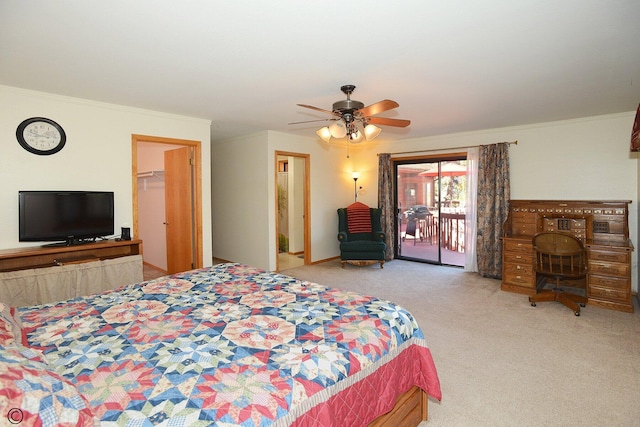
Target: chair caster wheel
{"type": "Point", "coordinates": [583, 305]}
{"type": "Point", "coordinates": [533, 304]}
{"type": "Point", "coordinates": [577, 313]}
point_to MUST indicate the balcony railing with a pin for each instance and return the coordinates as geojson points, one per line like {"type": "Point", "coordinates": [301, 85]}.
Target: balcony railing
{"type": "Point", "coordinates": [449, 226]}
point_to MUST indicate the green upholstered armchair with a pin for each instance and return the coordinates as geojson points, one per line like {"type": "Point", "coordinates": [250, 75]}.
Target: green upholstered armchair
{"type": "Point", "coordinates": [362, 244]}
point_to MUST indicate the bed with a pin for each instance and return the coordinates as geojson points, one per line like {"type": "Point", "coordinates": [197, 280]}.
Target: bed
{"type": "Point", "coordinates": [226, 345]}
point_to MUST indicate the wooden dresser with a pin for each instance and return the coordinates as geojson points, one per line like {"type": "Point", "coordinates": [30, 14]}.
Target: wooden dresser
{"type": "Point", "coordinates": [603, 226]}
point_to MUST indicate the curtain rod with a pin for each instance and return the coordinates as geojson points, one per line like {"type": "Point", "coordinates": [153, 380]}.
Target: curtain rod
{"type": "Point", "coordinates": [445, 149]}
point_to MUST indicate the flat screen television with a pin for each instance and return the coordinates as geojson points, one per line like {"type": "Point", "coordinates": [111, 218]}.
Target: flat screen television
{"type": "Point", "coordinates": [66, 217]}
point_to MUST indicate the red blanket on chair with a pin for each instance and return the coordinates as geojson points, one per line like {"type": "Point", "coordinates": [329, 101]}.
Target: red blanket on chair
{"type": "Point", "coordinates": [358, 218]}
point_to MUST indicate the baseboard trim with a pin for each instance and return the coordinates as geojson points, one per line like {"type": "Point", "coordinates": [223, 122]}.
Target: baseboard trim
{"type": "Point", "coordinates": [148, 264]}
{"type": "Point", "coordinates": [325, 260]}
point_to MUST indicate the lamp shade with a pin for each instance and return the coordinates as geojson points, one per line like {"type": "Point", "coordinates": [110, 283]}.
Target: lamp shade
{"type": "Point", "coordinates": [324, 133]}
{"type": "Point", "coordinates": [371, 132]}
{"type": "Point", "coordinates": [355, 137]}
{"type": "Point", "coordinates": [338, 129]}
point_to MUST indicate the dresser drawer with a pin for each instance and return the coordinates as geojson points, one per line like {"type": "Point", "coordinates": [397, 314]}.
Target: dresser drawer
{"type": "Point", "coordinates": [518, 257]}
{"type": "Point", "coordinates": [526, 229]}
{"type": "Point", "coordinates": [524, 217]}
{"type": "Point", "coordinates": [521, 269]}
{"type": "Point", "coordinates": [518, 278]}
{"type": "Point", "coordinates": [579, 224]}
{"type": "Point", "coordinates": [608, 293]}
{"type": "Point", "coordinates": [609, 282]}
{"type": "Point", "coordinates": [518, 246]}
{"type": "Point", "coordinates": [621, 257]}
{"type": "Point", "coordinates": [609, 268]}
{"type": "Point", "coordinates": [524, 223]}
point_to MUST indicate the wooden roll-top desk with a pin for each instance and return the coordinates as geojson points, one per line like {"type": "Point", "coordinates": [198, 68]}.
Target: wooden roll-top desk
{"type": "Point", "coordinates": [603, 226]}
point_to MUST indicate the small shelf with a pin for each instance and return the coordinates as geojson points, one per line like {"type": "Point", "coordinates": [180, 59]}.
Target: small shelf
{"type": "Point", "coordinates": [155, 173]}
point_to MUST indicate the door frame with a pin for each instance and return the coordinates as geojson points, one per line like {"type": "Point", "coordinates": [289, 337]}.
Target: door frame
{"type": "Point", "coordinates": [306, 203]}
{"type": "Point", "coordinates": [197, 183]}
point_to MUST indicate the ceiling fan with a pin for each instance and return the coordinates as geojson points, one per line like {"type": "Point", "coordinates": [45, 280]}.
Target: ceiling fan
{"type": "Point", "coordinates": [351, 118]}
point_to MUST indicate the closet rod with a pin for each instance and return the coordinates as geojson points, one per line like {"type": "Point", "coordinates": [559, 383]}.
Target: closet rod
{"type": "Point", "coordinates": [445, 149]}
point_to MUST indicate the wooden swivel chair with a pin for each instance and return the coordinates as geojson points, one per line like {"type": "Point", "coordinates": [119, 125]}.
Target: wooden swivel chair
{"type": "Point", "coordinates": [563, 258]}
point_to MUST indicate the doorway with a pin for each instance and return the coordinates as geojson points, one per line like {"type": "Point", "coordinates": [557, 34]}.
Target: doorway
{"type": "Point", "coordinates": [293, 237]}
{"type": "Point", "coordinates": [167, 207]}
{"type": "Point", "coordinates": [431, 203]}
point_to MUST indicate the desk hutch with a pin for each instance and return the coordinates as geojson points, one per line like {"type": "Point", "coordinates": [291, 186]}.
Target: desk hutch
{"type": "Point", "coordinates": [603, 226]}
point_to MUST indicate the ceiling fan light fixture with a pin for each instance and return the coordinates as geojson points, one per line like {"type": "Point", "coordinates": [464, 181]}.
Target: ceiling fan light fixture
{"type": "Point", "coordinates": [351, 119]}
{"type": "Point", "coordinates": [355, 136]}
{"type": "Point", "coordinates": [371, 132]}
{"type": "Point", "coordinates": [324, 133]}
{"type": "Point", "coordinates": [338, 129]}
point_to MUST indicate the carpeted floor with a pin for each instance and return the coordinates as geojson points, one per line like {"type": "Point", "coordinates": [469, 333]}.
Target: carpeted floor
{"type": "Point", "coordinates": [502, 362]}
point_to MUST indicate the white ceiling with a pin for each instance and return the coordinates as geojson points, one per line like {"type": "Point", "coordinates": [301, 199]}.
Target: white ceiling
{"type": "Point", "coordinates": [452, 65]}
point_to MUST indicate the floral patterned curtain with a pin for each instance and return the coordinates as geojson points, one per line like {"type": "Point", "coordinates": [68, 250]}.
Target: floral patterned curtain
{"type": "Point", "coordinates": [385, 202]}
{"type": "Point", "coordinates": [493, 203]}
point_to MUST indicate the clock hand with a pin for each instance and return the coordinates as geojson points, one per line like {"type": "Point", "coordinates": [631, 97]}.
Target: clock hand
{"type": "Point", "coordinates": [37, 135]}
{"type": "Point", "coordinates": [34, 133]}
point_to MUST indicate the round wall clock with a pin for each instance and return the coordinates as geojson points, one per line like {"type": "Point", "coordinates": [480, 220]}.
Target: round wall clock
{"type": "Point", "coordinates": [40, 135]}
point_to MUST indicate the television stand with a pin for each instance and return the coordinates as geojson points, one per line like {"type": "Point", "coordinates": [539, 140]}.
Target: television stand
{"type": "Point", "coordinates": [39, 275]}
{"type": "Point", "coordinates": [49, 256]}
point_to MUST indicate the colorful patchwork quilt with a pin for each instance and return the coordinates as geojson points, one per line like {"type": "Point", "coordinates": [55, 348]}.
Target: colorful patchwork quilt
{"type": "Point", "coordinates": [232, 345]}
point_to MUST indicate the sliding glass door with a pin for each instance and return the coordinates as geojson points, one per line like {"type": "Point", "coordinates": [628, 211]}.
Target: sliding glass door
{"type": "Point", "coordinates": [431, 202]}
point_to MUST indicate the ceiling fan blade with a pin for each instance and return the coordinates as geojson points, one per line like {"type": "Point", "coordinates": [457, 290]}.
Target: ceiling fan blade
{"type": "Point", "coordinates": [318, 109]}
{"type": "Point", "coordinates": [384, 121]}
{"type": "Point", "coordinates": [378, 107]}
{"type": "Point", "coordinates": [311, 121]}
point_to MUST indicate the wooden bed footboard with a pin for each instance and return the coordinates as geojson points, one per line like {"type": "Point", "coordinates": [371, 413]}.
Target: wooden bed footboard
{"type": "Point", "coordinates": [410, 410]}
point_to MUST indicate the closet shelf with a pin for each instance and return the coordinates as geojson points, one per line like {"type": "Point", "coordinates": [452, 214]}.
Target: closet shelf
{"type": "Point", "coordinates": [156, 173]}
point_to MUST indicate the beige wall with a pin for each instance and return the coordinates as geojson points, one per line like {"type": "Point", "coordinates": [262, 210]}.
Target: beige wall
{"type": "Point", "coordinates": [97, 155]}
{"type": "Point", "coordinates": [241, 200]}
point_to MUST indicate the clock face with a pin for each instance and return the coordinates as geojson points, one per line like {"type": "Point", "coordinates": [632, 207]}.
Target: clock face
{"type": "Point", "coordinates": [42, 136]}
